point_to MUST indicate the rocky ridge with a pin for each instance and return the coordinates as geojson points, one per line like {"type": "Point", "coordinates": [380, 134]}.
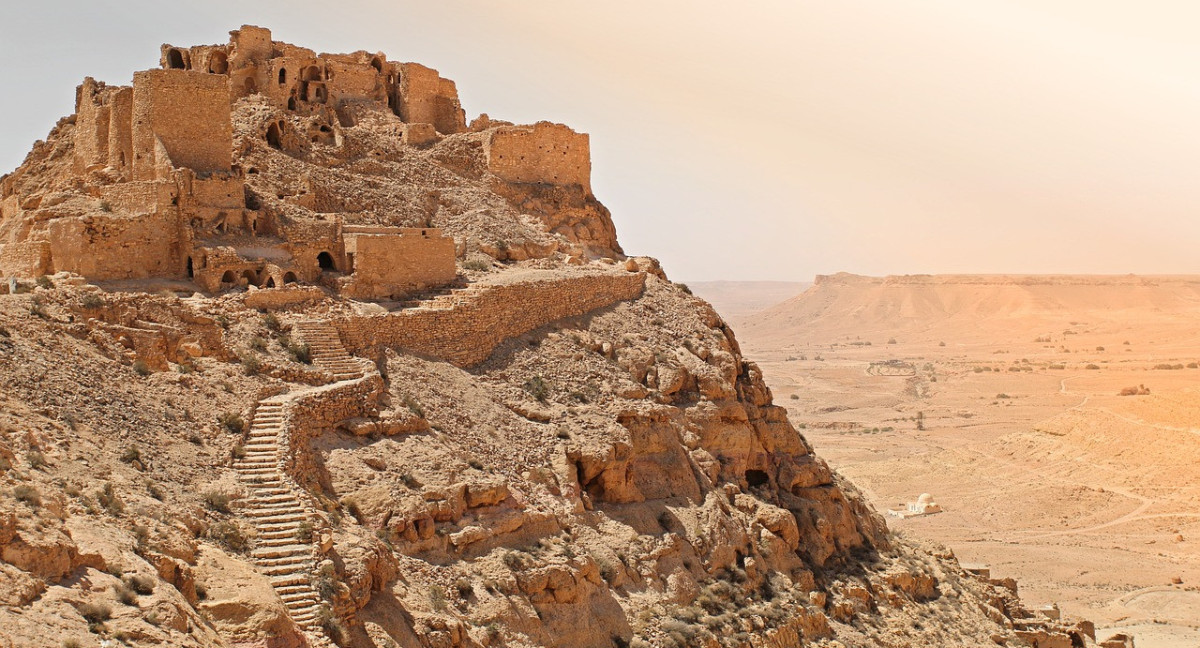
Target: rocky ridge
{"type": "Point", "coordinates": [217, 469]}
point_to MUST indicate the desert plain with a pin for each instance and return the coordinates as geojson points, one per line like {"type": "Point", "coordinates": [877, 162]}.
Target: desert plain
{"type": "Point", "coordinates": [1001, 396]}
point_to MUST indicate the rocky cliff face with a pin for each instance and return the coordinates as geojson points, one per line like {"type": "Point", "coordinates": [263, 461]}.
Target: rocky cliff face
{"type": "Point", "coordinates": [215, 470]}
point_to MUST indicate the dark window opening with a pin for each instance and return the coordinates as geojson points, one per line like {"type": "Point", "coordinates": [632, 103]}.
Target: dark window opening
{"type": "Point", "coordinates": [311, 73]}
{"type": "Point", "coordinates": [250, 87]}
{"type": "Point", "coordinates": [757, 478]}
{"type": "Point", "coordinates": [291, 103]}
{"type": "Point", "coordinates": [282, 76]}
{"type": "Point", "coordinates": [325, 260]}
{"type": "Point", "coordinates": [191, 271]}
{"type": "Point", "coordinates": [250, 276]}
{"type": "Point", "coordinates": [270, 283]}
{"type": "Point", "coordinates": [218, 63]}
{"type": "Point", "coordinates": [377, 64]}
{"type": "Point", "coordinates": [229, 278]}
{"type": "Point", "coordinates": [289, 277]}
{"type": "Point", "coordinates": [175, 59]}
{"type": "Point", "coordinates": [274, 137]}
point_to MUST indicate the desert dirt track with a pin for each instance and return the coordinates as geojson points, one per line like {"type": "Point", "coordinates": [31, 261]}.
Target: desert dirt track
{"type": "Point", "coordinates": [1014, 423]}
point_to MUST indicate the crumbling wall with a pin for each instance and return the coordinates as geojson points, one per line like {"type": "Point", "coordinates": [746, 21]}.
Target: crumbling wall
{"type": "Point", "coordinates": [26, 259]}
{"type": "Point", "coordinates": [188, 113]}
{"type": "Point", "coordinates": [393, 261]}
{"type": "Point", "coordinates": [422, 96]}
{"type": "Point", "coordinates": [467, 334]}
{"type": "Point", "coordinates": [92, 117]}
{"type": "Point", "coordinates": [543, 153]}
{"type": "Point", "coordinates": [118, 247]}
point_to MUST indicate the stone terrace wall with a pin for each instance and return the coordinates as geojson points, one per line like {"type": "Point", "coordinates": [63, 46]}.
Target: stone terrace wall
{"type": "Point", "coordinates": [467, 334]}
{"type": "Point", "coordinates": [543, 153]}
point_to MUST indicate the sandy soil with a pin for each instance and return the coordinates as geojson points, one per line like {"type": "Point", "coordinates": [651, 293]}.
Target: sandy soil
{"type": "Point", "coordinates": [1013, 422]}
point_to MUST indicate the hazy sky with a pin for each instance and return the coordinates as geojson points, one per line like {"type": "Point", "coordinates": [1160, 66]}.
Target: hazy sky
{"type": "Point", "coordinates": [767, 140]}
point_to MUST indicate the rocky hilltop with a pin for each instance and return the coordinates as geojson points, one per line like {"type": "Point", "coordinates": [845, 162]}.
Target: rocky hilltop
{"type": "Point", "coordinates": [292, 355]}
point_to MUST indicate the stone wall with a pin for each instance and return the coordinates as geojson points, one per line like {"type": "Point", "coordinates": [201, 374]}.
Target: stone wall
{"type": "Point", "coordinates": [543, 153]}
{"type": "Point", "coordinates": [118, 247]}
{"type": "Point", "coordinates": [26, 259]}
{"type": "Point", "coordinates": [422, 96]}
{"type": "Point", "coordinates": [468, 333]}
{"type": "Point", "coordinates": [388, 264]}
{"type": "Point", "coordinates": [188, 113]}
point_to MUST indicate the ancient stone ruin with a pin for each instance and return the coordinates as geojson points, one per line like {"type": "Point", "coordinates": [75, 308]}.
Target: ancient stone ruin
{"type": "Point", "coordinates": [172, 201]}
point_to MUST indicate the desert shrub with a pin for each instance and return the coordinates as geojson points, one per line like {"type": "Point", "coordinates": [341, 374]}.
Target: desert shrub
{"type": "Point", "coordinates": [304, 532]}
{"type": "Point", "coordinates": [1099, 348]}
{"type": "Point", "coordinates": [217, 501]}
{"type": "Point", "coordinates": [1168, 366]}
{"type": "Point", "coordinates": [1003, 395]}
{"type": "Point", "coordinates": [4, 333]}
{"type": "Point", "coordinates": [155, 491]}
{"type": "Point", "coordinates": [413, 406]}
{"type": "Point", "coordinates": [143, 585]}
{"type": "Point", "coordinates": [110, 500]}
{"type": "Point", "coordinates": [125, 594]}
{"type": "Point", "coordinates": [437, 597]}
{"type": "Point", "coordinates": [464, 588]}
{"type": "Point", "coordinates": [92, 301]}
{"type": "Point", "coordinates": [410, 481]}
{"type": "Point", "coordinates": [141, 368]}
{"type": "Point", "coordinates": [538, 388]}
{"type": "Point", "coordinates": [326, 581]}
{"type": "Point", "coordinates": [45, 282]}
{"type": "Point", "coordinates": [238, 451]}
{"type": "Point", "coordinates": [185, 368]}
{"type": "Point", "coordinates": [353, 509]}
{"type": "Point", "coordinates": [476, 263]}
{"type": "Point", "coordinates": [95, 612]}
{"type": "Point", "coordinates": [299, 351]}
{"type": "Point", "coordinates": [794, 397]}
{"type": "Point", "coordinates": [35, 458]}
{"type": "Point", "coordinates": [251, 365]}
{"type": "Point", "coordinates": [131, 454]}
{"type": "Point", "coordinates": [684, 287]}
{"type": "Point", "coordinates": [1092, 367]}
{"type": "Point", "coordinates": [891, 340]}
{"type": "Point", "coordinates": [71, 643]}
{"type": "Point", "coordinates": [272, 323]}
{"type": "Point", "coordinates": [258, 343]}
{"type": "Point", "coordinates": [230, 535]}
{"type": "Point", "coordinates": [5, 464]}
{"type": "Point", "coordinates": [28, 494]}
{"type": "Point", "coordinates": [231, 422]}
{"type": "Point", "coordinates": [105, 206]}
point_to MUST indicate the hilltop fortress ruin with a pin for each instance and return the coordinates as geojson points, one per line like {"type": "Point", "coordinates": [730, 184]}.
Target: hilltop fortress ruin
{"type": "Point", "coordinates": [161, 181]}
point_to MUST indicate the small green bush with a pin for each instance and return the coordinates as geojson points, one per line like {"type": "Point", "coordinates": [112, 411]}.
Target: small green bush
{"type": "Point", "coordinates": [230, 535]}
{"type": "Point", "coordinates": [476, 263]}
{"type": "Point", "coordinates": [258, 343]}
{"type": "Point", "coordinates": [251, 365]}
{"type": "Point", "coordinates": [95, 612]}
{"type": "Point", "coordinates": [231, 422]}
{"type": "Point", "coordinates": [216, 501]}
{"type": "Point", "coordinates": [36, 459]}
{"type": "Point", "coordinates": [272, 323]}
{"type": "Point", "coordinates": [143, 585]}
{"type": "Point", "coordinates": [538, 388]}
{"type": "Point", "coordinates": [28, 494]}
{"type": "Point", "coordinates": [125, 594]}
{"type": "Point", "coordinates": [110, 500]}
{"type": "Point", "coordinates": [92, 301]}
{"type": "Point", "coordinates": [131, 454]}
{"type": "Point", "coordinates": [45, 282]}
{"type": "Point", "coordinates": [300, 352]}
{"type": "Point", "coordinates": [141, 368]}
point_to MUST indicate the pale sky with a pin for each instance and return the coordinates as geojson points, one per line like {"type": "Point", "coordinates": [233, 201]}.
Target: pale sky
{"type": "Point", "coordinates": [767, 139]}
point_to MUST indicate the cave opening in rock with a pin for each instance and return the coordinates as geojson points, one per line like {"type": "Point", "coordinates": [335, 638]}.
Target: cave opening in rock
{"type": "Point", "coordinates": [757, 478]}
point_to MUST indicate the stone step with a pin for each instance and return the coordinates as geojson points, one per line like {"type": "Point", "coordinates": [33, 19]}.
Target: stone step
{"type": "Point", "coordinates": [271, 482]}
{"type": "Point", "coordinates": [304, 588]}
{"type": "Point", "coordinates": [274, 498]}
{"type": "Point", "coordinates": [278, 538]}
{"type": "Point", "coordinates": [288, 580]}
{"type": "Point", "coordinates": [293, 561]}
{"type": "Point", "coordinates": [299, 600]}
{"type": "Point", "coordinates": [281, 551]}
{"type": "Point", "coordinates": [270, 471]}
{"type": "Point", "coordinates": [273, 516]}
{"type": "Point", "coordinates": [286, 570]}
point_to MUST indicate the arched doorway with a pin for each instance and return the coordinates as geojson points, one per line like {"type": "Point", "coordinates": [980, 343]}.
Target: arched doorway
{"type": "Point", "coordinates": [270, 283]}
{"type": "Point", "coordinates": [191, 270]}
{"type": "Point", "coordinates": [228, 279]}
{"type": "Point", "coordinates": [218, 63]}
{"type": "Point", "coordinates": [325, 260]}
{"type": "Point", "coordinates": [274, 136]}
{"type": "Point", "coordinates": [175, 59]}
{"type": "Point", "coordinates": [289, 277]}
{"type": "Point", "coordinates": [251, 277]}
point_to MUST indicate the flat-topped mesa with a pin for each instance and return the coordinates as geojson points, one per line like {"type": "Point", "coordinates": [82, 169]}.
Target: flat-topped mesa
{"type": "Point", "coordinates": [161, 181]}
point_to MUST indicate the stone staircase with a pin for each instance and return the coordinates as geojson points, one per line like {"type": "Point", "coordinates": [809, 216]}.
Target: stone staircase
{"type": "Point", "coordinates": [327, 350]}
{"type": "Point", "coordinates": [277, 506]}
